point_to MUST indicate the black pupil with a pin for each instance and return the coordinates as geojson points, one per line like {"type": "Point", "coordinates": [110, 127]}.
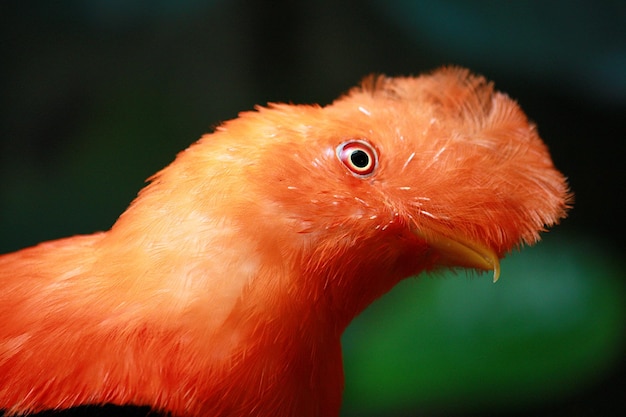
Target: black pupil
{"type": "Point", "coordinates": [359, 158]}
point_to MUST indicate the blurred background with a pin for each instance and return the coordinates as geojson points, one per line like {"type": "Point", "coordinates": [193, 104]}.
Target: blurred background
{"type": "Point", "coordinates": [96, 95]}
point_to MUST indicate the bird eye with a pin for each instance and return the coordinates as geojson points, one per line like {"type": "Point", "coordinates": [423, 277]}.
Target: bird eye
{"type": "Point", "coordinates": [358, 156]}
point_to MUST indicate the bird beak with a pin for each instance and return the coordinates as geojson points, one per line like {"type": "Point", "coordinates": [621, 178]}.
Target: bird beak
{"type": "Point", "coordinates": [457, 251]}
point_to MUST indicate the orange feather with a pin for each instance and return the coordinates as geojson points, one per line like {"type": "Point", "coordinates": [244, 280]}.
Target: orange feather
{"type": "Point", "coordinates": [224, 288]}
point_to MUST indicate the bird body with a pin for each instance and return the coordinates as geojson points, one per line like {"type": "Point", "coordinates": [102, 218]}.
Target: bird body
{"type": "Point", "coordinates": [225, 287]}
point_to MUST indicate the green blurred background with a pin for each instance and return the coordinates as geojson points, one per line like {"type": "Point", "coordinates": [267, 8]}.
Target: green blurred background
{"type": "Point", "coordinates": [97, 95]}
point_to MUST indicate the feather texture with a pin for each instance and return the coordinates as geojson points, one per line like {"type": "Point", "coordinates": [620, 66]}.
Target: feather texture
{"type": "Point", "coordinates": [224, 288]}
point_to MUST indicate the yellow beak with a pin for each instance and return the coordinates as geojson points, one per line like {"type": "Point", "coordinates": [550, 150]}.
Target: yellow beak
{"type": "Point", "coordinates": [460, 252]}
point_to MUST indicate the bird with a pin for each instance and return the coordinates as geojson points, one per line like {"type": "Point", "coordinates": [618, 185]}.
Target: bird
{"type": "Point", "coordinates": [225, 286]}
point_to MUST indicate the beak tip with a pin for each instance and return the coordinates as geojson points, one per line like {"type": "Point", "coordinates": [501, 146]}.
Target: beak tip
{"type": "Point", "coordinates": [496, 273]}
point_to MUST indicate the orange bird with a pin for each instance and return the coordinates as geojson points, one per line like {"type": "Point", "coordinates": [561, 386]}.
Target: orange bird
{"type": "Point", "coordinates": [224, 289]}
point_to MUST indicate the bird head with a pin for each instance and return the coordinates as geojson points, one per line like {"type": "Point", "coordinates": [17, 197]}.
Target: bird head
{"type": "Point", "coordinates": [397, 176]}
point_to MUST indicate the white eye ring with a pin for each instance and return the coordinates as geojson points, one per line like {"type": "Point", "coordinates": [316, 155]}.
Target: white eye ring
{"type": "Point", "coordinates": [359, 157]}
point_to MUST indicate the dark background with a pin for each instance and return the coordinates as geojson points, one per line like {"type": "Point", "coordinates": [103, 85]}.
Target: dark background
{"type": "Point", "coordinates": [95, 96]}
